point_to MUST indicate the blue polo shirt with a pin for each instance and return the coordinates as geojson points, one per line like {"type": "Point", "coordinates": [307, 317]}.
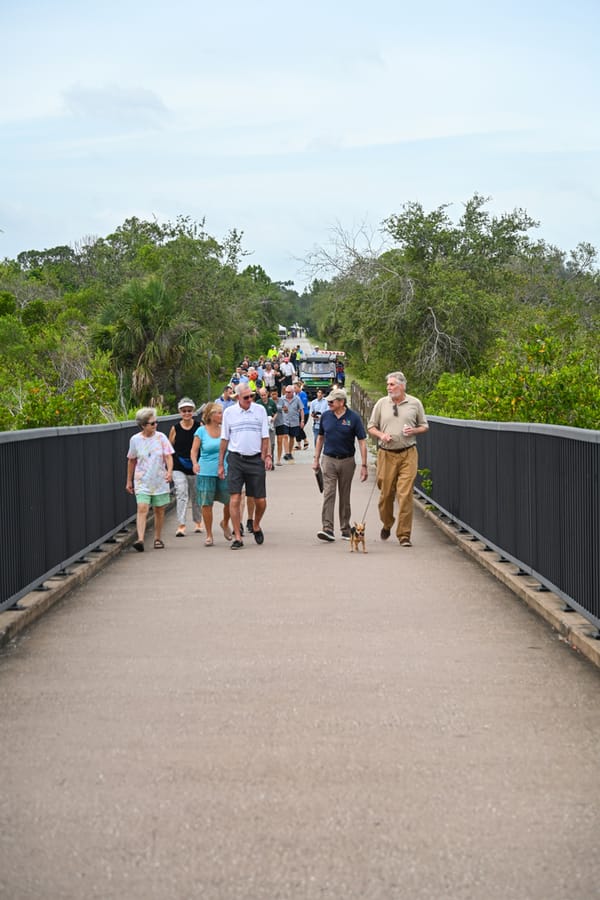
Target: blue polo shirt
{"type": "Point", "coordinates": [341, 433]}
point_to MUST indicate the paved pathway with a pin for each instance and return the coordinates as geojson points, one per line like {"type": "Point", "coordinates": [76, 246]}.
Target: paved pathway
{"type": "Point", "coordinates": [295, 721]}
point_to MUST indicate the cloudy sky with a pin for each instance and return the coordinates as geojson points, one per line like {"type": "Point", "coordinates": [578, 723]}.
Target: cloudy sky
{"type": "Point", "coordinates": [283, 120]}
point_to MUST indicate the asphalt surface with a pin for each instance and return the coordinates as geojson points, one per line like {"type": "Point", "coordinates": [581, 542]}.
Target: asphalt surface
{"type": "Point", "coordinates": [296, 721]}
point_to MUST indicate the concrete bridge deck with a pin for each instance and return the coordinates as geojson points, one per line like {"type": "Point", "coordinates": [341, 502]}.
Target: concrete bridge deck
{"type": "Point", "coordinates": [295, 721]}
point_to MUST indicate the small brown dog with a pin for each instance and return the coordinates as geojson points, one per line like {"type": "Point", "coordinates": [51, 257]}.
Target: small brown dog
{"type": "Point", "coordinates": [357, 537]}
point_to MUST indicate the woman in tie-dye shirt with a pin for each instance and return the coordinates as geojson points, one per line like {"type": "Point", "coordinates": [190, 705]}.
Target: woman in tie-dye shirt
{"type": "Point", "coordinates": [149, 472]}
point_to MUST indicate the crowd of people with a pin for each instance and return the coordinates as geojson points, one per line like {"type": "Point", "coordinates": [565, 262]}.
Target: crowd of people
{"type": "Point", "coordinates": [258, 422]}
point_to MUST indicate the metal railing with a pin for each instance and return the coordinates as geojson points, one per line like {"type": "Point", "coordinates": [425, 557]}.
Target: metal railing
{"type": "Point", "coordinates": [530, 492]}
{"type": "Point", "coordinates": [63, 494]}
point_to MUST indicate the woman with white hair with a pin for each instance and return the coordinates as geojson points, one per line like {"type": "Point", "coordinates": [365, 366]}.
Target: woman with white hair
{"type": "Point", "coordinates": [149, 471]}
{"type": "Point", "coordinates": [181, 437]}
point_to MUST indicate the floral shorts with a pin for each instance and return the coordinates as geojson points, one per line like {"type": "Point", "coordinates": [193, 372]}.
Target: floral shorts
{"type": "Point", "coordinates": [210, 488]}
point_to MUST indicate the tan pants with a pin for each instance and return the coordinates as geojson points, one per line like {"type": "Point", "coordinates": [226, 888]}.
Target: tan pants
{"type": "Point", "coordinates": [396, 473]}
{"type": "Point", "coordinates": [337, 474]}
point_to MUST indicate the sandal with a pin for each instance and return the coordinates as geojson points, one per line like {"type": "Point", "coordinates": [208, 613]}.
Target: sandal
{"type": "Point", "coordinates": [208, 542]}
{"type": "Point", "coordinates": [180, 531]}
{"type": "Point", "coordinates": [158, 544]}
{"type": "Point", "coordinates": [226, 531]}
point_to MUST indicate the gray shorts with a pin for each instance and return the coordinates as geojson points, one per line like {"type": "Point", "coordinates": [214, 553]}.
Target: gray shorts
{"type": "Point", "coordinates": [248, 472]}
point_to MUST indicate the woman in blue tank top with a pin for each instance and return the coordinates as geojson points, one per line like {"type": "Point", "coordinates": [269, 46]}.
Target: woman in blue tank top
{"type": "Point", "coordinates": [205, 464]}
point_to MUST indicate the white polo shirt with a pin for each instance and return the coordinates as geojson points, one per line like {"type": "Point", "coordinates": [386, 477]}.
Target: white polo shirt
{"type": "Point", "coordinates": [245, 428]}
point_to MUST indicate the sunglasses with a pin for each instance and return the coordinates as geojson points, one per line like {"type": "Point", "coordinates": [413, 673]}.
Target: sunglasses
{"type": "Point", "coordinates": [152, 423]}
{"type": "Point", "coordinates": [395, 410]}
{"type": "Point", "coordinates": [330, 402]}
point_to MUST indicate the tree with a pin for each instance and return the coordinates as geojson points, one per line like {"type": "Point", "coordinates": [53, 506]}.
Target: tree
{"type": "Point", "coordinates": [428, 299]}
{"type": "Point", "coordinates": [149, 336]}
{"type": "Point", "coordinates": [535, 381]}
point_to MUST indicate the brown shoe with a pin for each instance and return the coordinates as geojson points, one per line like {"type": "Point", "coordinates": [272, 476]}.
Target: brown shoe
{"type": "Point", "coordinates": [384, 534]}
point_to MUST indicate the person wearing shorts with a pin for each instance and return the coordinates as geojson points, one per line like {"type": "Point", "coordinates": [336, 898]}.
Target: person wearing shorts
{"type": "Point", "coordinates": [245, 436]}
{"type": "Point", "coordinates": [149, 473]}
{"type": "Point", "coordinates": [292, 416]}
{"type": "Point", "coordinates": [281, 430]}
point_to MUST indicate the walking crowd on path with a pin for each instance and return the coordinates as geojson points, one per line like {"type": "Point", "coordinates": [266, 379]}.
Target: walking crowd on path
{"type": "Point", "coordinates": [258, 422]}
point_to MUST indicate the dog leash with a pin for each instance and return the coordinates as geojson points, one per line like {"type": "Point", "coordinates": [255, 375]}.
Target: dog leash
{"type": "Point", "coordinates": [364, 518]}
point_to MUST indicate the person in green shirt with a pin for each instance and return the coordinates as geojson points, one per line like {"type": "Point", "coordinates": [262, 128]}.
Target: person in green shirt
{"type": "Point", "coordinates": [271, 410]}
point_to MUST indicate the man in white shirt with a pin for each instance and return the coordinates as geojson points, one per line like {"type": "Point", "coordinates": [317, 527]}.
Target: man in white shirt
{"type": "Point", "coordinates": [245, 433]}
{"type": "Point", "coordinates": [288, 370]}
{"type": "Point", "coordinates": [318, 406]}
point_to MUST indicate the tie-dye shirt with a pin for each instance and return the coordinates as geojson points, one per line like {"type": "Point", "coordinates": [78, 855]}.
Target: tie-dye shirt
{"type": "Point", "coordinates": [150, 468]}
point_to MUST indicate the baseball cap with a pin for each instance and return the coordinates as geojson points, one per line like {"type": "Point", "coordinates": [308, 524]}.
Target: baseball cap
{"type": "Point", "coordinates": [337, 394]}
{"type": "Point", "coordinates": [185, 401]}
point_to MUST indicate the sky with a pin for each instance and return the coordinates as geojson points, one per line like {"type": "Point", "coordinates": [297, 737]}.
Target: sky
{"type": "Point", "coordinates": [291, 121]}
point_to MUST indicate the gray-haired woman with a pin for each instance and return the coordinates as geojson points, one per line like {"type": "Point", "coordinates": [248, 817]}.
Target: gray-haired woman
{"type": "Point", "coordinates": [149, 471]}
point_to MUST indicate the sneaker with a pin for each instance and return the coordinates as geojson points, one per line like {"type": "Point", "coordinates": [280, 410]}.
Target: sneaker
{"type": "Point", "coordinates": [325, 535]}
{"type": "Point", "coordinates": [405, 543]}
{"type": "Point", "coordinates": [237, 545]}
{"type": "Point", "coordinates": [259, 536]}
{"type": "Point", "coordinates": [384, 534]}
{"type": "Point", "coordinates": [345, 537]}
{"type": "Point", "coordinates": [249, 526]}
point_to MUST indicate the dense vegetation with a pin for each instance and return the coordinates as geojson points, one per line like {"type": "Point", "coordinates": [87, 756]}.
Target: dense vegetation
{"type": "Point", "coordinates": [485, 321]}
{"type": "Point", "coordinates": [89, 333]}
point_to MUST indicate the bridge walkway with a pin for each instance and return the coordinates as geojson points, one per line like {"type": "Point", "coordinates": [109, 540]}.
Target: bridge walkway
{"type": "Point", "coordinates": [296, 721]}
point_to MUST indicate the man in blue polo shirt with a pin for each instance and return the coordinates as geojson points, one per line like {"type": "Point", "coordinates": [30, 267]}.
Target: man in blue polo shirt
{"type": "Point", "coordinates": [339, 428]}
{"type": "Point", "coordinates": [226, 399]}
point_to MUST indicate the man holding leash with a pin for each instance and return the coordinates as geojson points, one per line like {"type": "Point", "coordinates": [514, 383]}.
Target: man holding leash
{"type": "Point", "coordinates": [339, 428]}
{"type": "Point", "coordinates": [395, 422]}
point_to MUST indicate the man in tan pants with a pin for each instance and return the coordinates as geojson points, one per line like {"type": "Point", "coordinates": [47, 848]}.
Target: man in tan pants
{"type": "Point", "coordinates": [395, 422]}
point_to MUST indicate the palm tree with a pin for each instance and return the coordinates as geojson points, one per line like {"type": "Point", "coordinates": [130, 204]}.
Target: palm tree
{"type": "Point", "coordinates": [150, 335]}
